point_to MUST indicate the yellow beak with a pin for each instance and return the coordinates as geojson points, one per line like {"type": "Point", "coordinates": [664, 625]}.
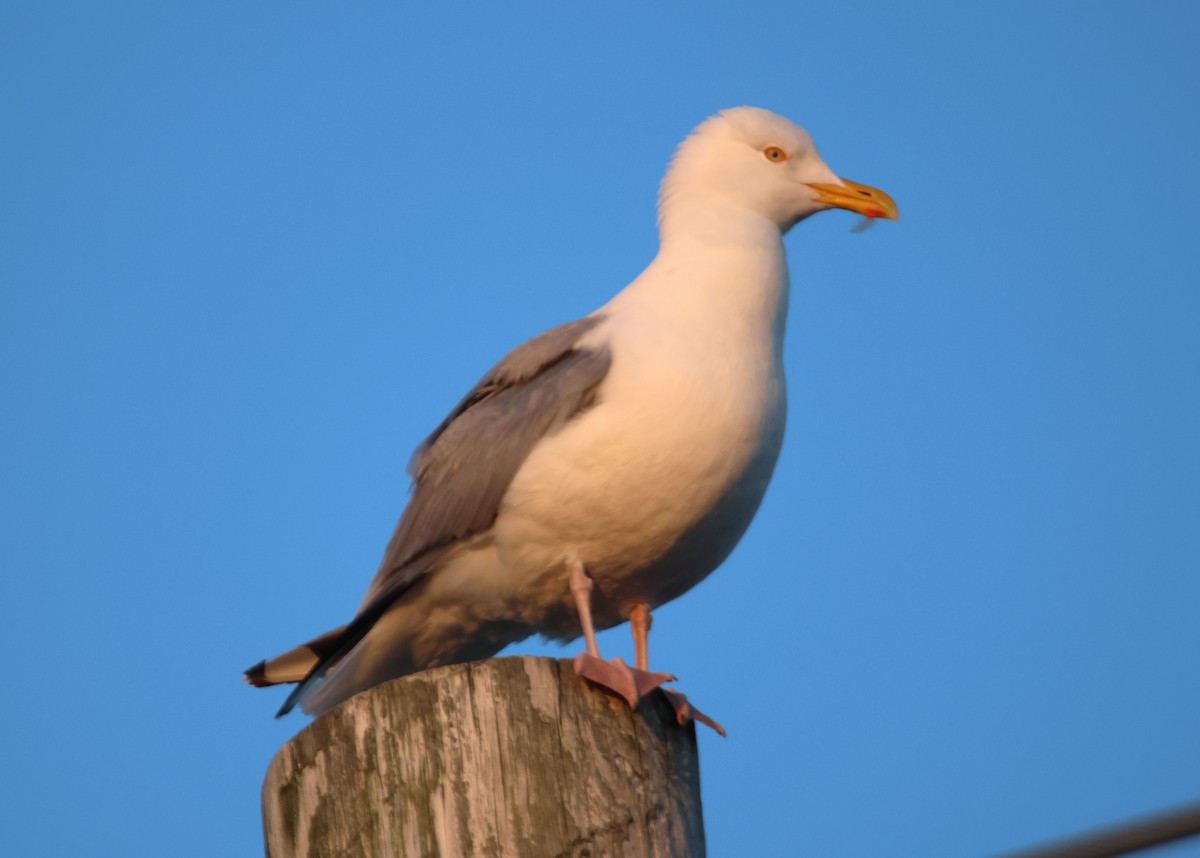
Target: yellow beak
{"type": "Point", "coordinates": [863, 199]}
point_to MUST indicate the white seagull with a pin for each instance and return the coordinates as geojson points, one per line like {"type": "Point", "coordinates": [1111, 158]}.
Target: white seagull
{"type": "Point", "coordinates": [610, 464]}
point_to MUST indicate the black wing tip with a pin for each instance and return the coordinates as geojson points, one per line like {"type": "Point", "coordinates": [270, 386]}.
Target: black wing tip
{"type": "Point", "coordinates": [256, 675]}
{"type": "Point", "coordinates": [289, 704]}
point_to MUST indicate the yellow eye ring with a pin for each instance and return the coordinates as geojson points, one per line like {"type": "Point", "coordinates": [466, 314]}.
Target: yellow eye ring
{"type": "Point", "coordinates": [774, 154]}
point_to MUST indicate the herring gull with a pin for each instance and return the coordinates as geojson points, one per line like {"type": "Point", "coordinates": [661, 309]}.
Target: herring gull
{"type": "Point", "coordinates": [610, 464]}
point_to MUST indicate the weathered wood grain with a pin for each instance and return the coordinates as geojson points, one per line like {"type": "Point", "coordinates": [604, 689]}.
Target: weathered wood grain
{"type": "Point", "coordinates": [511, 758]}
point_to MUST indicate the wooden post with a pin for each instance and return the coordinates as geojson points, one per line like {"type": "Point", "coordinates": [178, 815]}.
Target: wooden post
{"type": "Point", "coordinates": [511, 758]}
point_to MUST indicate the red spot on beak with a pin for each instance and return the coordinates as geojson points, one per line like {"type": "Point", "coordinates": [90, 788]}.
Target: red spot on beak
{"type": "Point", "coordinates": [872, 212]}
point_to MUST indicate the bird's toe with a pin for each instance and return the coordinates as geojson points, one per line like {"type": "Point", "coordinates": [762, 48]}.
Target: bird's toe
{"type": "Point", "coordinates": [685, 711]}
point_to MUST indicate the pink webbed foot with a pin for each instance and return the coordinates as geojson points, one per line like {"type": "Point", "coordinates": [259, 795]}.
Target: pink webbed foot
{"type": "Point", "coordinates": [629, 683]}
{"type": "Point", "coordinates": [685, 711]}
{"type": "Point", "coordinates": [618, 677]}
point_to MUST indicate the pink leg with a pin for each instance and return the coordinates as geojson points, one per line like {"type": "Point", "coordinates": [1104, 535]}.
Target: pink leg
{"type": "Point", "coordinates": [630, 683]}
{"type": "Point", "coordinates": [614, 675]}
{"type": "Point", "coordinates": [640, 620]}
{"type": "Point", "coordinates": [581, 589]}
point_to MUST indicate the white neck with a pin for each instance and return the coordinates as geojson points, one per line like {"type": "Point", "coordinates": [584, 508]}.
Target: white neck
{"type": "Point", "coordinates": [717, 269]}
{"type": "Point", "coordinates": [714, 222]}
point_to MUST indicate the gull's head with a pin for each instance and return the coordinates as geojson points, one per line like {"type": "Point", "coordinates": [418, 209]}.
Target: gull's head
{"type": "Point", "coordinates": [753, 160]}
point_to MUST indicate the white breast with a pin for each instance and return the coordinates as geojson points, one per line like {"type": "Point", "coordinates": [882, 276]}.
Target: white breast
{"type": "Point", "coordinates": [685, 431]}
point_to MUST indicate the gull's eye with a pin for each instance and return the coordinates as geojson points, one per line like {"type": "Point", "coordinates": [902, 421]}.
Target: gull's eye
{"type": "Point", "coordinates": [774, 153]}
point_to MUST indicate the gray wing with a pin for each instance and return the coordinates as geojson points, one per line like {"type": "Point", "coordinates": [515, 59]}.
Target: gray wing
{"type": "Point", "coordinates": [462, 470]}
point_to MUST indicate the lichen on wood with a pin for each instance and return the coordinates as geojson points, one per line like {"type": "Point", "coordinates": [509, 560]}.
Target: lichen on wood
{"type": "Point", "coordinates": [507, 758]}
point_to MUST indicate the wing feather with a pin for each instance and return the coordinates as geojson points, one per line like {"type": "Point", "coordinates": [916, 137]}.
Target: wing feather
{"type": "Point", "coordinates": [463, 469]}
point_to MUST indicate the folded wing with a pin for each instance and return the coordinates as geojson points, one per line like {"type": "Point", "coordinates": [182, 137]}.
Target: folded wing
{"type": "Point", "coordinates": [460, 475]}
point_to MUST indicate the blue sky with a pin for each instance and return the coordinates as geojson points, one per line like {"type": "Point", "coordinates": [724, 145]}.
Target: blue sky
{"type": "Point", "coordinates": [251, 253]}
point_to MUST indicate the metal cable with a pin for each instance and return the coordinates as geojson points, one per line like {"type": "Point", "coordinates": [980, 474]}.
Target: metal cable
{"type": "Point", "coordinates": [1123, 839]}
